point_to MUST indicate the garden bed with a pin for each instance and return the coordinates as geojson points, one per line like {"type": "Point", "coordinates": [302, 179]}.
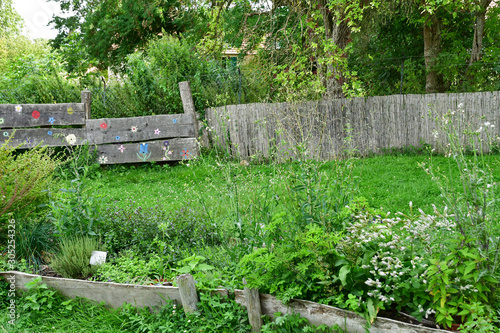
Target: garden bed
{"type": "Point", "coordinates": [116, 294]}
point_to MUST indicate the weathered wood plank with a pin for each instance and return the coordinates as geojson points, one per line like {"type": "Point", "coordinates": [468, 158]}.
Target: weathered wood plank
{"type": "Point", "coordinates": [35, 115]}
{"type": "Point", "coordinates": [51, 137]}
{"type": "Point", "coordinates": [118, 130]}
{"type": "Point", "coordinates": [187, 290]}
{"type": "Point", "coordinates": [162, 150]}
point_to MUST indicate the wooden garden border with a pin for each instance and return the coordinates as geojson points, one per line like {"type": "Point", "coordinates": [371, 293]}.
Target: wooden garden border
{"type": "Point", "coordinates": [115, 294]}
{"type": "Point", "coordinates": [117, 140]}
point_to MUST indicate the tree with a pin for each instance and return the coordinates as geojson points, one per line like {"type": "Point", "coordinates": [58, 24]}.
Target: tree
{"type": "Point", "coordinates": [109, 30]}
{"type": "Point", "coordinates": [10, 21]}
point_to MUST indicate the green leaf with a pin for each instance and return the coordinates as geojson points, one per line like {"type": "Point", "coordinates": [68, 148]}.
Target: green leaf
{"type": "Point", "coordinates": [183, 270]}
{"type": "Point", "coordinates": [204, 267]}
{"type": "Point", "coordinates": [469, 268]}
{"type": "Point", "coordinates": [344, 270]}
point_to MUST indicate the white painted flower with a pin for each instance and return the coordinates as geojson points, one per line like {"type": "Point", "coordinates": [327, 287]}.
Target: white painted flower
{"type": "Point", "coordinates": [103, 160]}
{"type": "Point", "coordinates": [71, 139]}
{"type": "Point", "coordinates": [133, 129]}
{"type": "Point", "coordinates": [19, 108]}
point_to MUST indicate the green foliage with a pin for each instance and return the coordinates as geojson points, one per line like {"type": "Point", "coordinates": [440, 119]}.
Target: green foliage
{"type": "Point", "coordinates": [460, 287]}
{"type": "Point", "coordinates": [147, 229]}
{"type": "Point", "coordinates": [73, 261]}
{"type": "Point", "coordinates": [24, 177]}
{"type": "Point", "coordinates": [10, 20]}
{"type": "Point", "coordinates": [136, 21]}
{"type": "Point", "coordinates": [303, 268]}
{"type": "Point", "coordinates": [35, 240]}
{"type": "Point", "coordinates": [39, 298]}
{"type": "Point", "coordinates": [76, 210]}
{"type": "Point", "coordinates": [43, 309]}
{"type": "Point", "coordinates": [129, 267]}
{"type": "Point", "coordinates": [192, 264]}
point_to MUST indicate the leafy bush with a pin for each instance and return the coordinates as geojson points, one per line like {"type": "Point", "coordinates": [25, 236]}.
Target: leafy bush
{"type": "Point", "coordinates": [303, 268]}
{"type": "Point", "coordinates": [137, 228]}
{"type": "Point", "coordinates": [74, 259]}
{"type": "Point", "coordinates": [76, 210]}
{"type": "Point", "coordinates": [129, 267]}
{"type": "Point", "coordinates": [23, 176]}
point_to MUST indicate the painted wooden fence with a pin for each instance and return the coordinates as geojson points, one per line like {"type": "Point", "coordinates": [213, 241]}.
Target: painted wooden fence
{"type": "Point", "coordinates": [326, 129]}
{"type": "Point", "coordinates": [117, 140]}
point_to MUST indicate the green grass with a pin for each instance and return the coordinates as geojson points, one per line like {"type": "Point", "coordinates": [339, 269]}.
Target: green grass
{"type": "Point", "coordinates": [391, 182]}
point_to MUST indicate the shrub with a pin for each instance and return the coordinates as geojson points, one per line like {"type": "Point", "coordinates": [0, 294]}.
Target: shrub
{"type": "Point", "coordinates": [134, 227]}
{"type": "Point", "coordinates": [74, 259]}
{"type": "Point", "coordinates": [23, 176]}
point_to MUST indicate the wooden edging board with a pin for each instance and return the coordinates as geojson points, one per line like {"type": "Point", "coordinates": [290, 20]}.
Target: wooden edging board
{"type": "Point", "coordinates": [319, 314]}
{"type": "Point", "coordinates": [115, 294]}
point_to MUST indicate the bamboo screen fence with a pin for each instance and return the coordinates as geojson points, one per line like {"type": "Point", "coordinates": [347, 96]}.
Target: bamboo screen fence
{"type": "Point", "coordinates": [327, 129]}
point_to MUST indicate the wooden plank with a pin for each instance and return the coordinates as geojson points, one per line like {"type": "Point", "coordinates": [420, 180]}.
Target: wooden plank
{"type": "Point", "coordinates": [187, 290]}
{"type": "Point", "coordinates": [135, 129]}
{"type": "Point", "coordinates": [162, 150]}
{"type": "Point", "coordinates": [51, 137]}
{"type": "Point", "coordinates": [320, 314]}
{"type": "Point", "coordinates": [35, 115]}
{"type": "Point", "coordinates": [252, 304]}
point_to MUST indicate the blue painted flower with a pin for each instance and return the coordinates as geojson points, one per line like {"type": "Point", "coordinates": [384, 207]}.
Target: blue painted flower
{"type": "Point", "coordinates": [144, 148]}
{"type": "Point", "coordinates": [51, 120]}
{"type": "Point", "coordinates": [174, 121]}
{"type": "Point", "coordinates": [166, 143]}
{"type": "Point", "coordinates": [117, 138]}
{"type": "Point", "coordinates": [49, 132]}
{"type": "Point", "coordinates": [5, 133]}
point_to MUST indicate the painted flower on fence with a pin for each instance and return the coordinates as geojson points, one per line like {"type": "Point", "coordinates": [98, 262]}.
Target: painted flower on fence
{"type": "Point", "coordinates": [49, 132]}
{"type": "Point", "coordinates": [1, 121]}
{"type": "Point", "coordinates": [5, 133]}
{"type": "Point", "coordinates": [168, 152]}
{"type": "Point", "coordinates": [70, 110]}
{"type": "Point", "coordinates": [103, 160]}
{"type": "Point", "coordinates": [185, 153]}
{"type": "Point", "coordinates": [29, 142]}
{"type": "Point", "coordinates": [174, 121]}
{"type": "Point", "coordinates": [143, 154]}
{"type": "Point", "coordinates": [35, 114]}
{"type": "Point", "coordinates": [157, 131]}
{"type": "Point", "coordinates": [121, 149]}
{"type": "Point", "coordinates": [104, 125]}
{"type": "Point", "coordinates": [71, 139]}
{"type": "Point", "coordinates": [19, 108]}
{"type": "Point", "coordinates": [117, 138]}
{"type": "Point", "coordinates": [51, 120]}
{"type": "Point", "coordinates": [133, 129]}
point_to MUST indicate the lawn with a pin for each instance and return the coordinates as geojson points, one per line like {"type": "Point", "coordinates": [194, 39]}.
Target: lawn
{"type": "Point", "coordinates": [349, 233]}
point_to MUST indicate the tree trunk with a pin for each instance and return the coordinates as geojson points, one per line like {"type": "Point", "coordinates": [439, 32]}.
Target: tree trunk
{"type": "Point", "coordinates": [337, 30]}
{"type": "Point", "coordinates": [432, 47]}
{"type": "Point", "coordinates": [477, 42]}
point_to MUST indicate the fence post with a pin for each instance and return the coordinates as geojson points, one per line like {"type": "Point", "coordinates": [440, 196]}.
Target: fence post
{"type": "Point", "coordinates": [87, 100]}
{"type": "Point", "coordinates": [252, 299]}
{"type": "Point", "coordinates": [187, 289]}
{"type": "Point", "coordinates": [188, 104]}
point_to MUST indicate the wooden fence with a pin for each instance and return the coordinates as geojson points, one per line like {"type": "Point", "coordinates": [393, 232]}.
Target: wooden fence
{"type": "Point", "coordinates": [117, 140]}
{"type": "Point", "coordinates": [325, 129]}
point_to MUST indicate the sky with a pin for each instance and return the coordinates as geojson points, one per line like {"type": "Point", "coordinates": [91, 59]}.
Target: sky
{"type": "Point", "coordinates": [36, 15]}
